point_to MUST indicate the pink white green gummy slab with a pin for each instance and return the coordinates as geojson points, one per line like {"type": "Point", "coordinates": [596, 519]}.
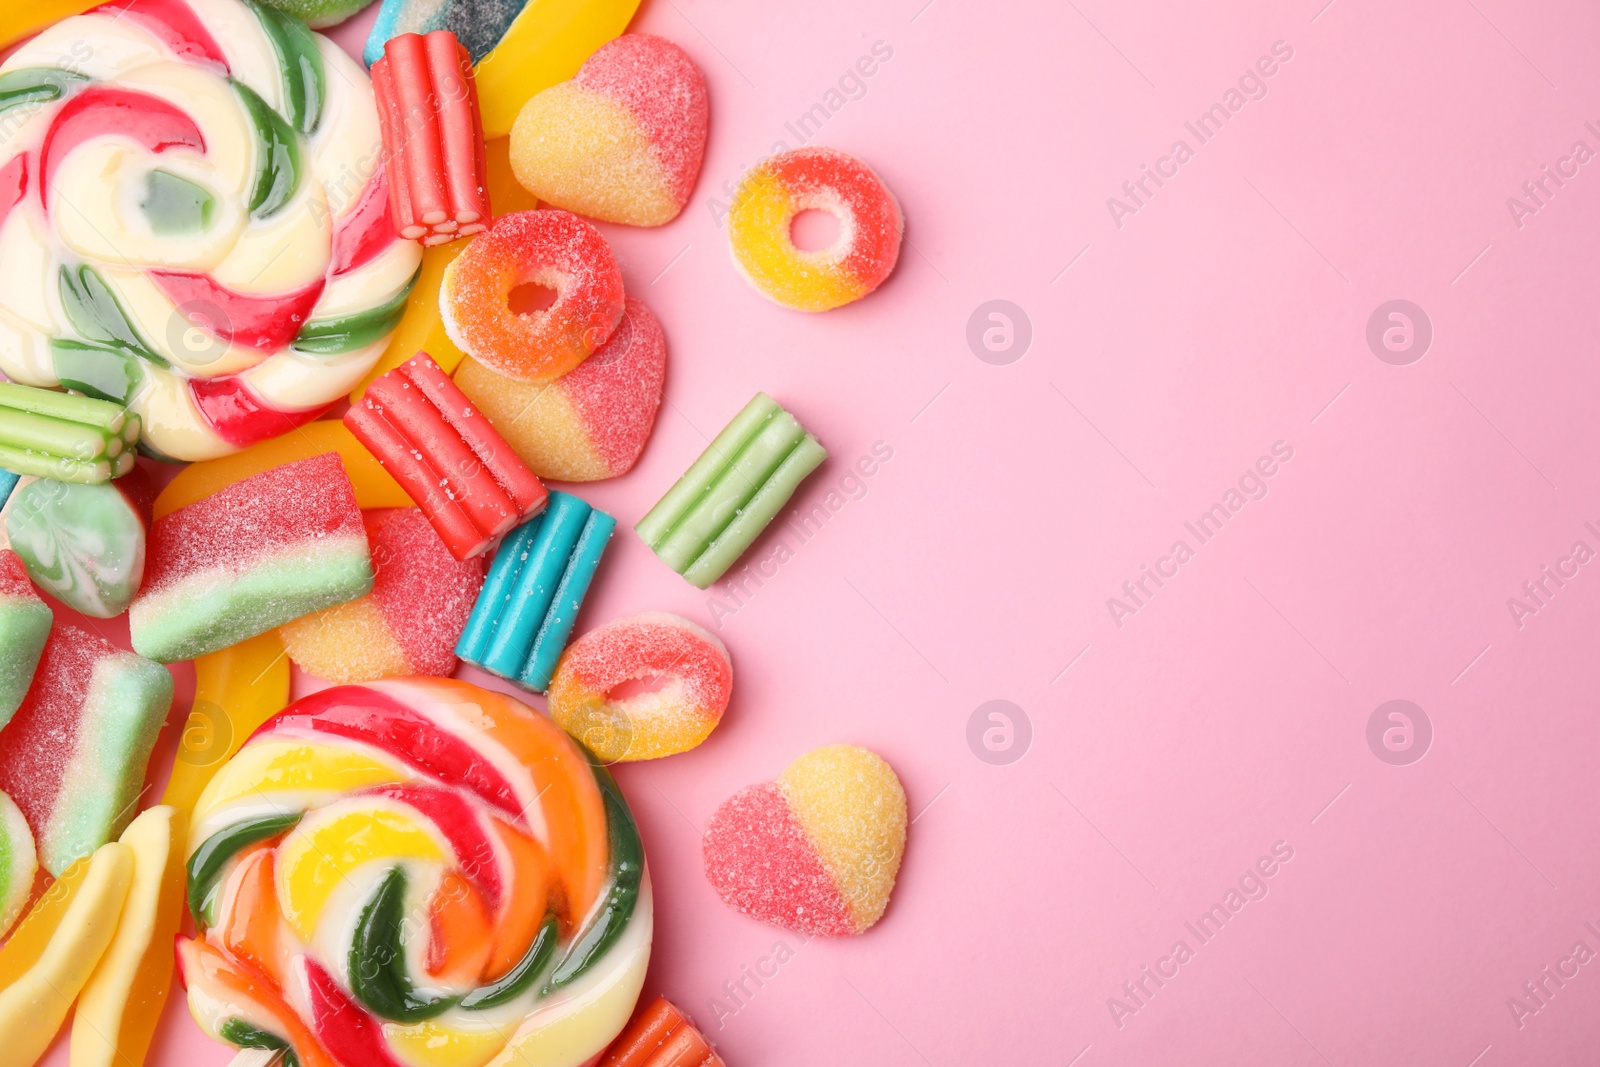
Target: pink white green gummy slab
{"type": "Point", "coordinates": [193, 219]}
{"type": "Point", "coordinates": [24, 628]}
{"type": "Point", "coordinates": [19, 862]}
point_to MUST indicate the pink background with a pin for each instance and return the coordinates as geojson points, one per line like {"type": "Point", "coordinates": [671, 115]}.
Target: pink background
{"type": "Point", "coordinates": [1230, 712]}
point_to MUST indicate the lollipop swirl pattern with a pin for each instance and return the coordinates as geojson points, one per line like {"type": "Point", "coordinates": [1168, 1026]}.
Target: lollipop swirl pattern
{"type": "Point", "coordinates": [415, 873]}
{"type": "Point", "coordinates": [194, 220]}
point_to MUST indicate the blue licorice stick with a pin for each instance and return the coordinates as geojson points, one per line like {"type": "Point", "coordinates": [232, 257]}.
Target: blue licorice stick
{"type": "Point", "coordinates": [525, 612]}
{"type": "Point", "coordinates": [478, 24]}
{"type": "Point", "coordinates": [8, 482]}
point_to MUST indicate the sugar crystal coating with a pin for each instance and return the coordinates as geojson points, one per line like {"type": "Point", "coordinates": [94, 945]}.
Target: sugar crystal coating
{"type": "Point", "coordinates": [691, 665]}
{"type": "Point", "coordinates": [622, 141]}
{"type": "Point", "coordinates": [551, 248]}
{"type": "Point", "coordinates": [825, 179]}
{"type": "Point", "coordinates": [421, 597]}
{"type": "Point", "coordinates": [817, 850]}
{"type": "Point", "coordinates": [591, 423]}
{"type": "Point", "coordinates": [19, 862]}
{"type": "Point", "coordinates": [24, 627]}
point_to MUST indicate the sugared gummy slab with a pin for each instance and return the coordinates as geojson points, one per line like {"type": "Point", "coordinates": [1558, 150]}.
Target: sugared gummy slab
{"type": "Point", "coordinates": [265, 550]}
{"type": "Point", "coordinates": [815, 851]}
{"type": "Point", "coordinates": [82, 544]}
{"type": "Point", "coordinates": [591, 423]}
{"type": "Point", "coordinates": [692, 666]}
{"type": "Point", "coordinates": [409, 623]}
{"type": "Point", "coordinates": [19, 862]}
{"type": "Point", "coordinates": [74, 755]}
{"type": "Point", "coordinates": [536, 584]}
{"type": "Point", "coordinates": [623, 140]}
{"type": "Point", "coordinates": [24, 627]}
{"type": "Point", "coordinates": [723, 502]}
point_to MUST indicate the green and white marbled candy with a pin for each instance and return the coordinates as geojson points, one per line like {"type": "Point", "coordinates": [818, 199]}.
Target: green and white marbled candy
{"type": "Point", "coordinates": [82, 544]}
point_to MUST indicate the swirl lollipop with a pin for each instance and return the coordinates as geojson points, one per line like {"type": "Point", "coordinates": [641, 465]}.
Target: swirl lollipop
{"type": "Point", "coordinates": [194, 220]}
{"type": "Point", "coordinates": [415, 873]}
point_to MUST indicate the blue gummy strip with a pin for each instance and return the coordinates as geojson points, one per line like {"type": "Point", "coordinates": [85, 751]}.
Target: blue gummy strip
{"type": "Point", "coordinates": [534, 590]}
{"type": "Point", "coordinates": [557, 628]}
{"type": "Point", "coordinates": [8, 482]}
{"type": "Point", "coordinates": [474, 640]}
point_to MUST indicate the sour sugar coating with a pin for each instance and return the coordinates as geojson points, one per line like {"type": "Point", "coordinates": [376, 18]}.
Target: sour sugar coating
{"type": "Point", "coordinates": [591, 423]}
{"type": "Point", "coordinates": [691, 665]}
{"type": "Point", "coordinates": [48, 434]}
{"type": "Point", "coordinates": [823, 179]}
{"type": "Point", "coordinates": [24, 628]}
{"type": "Point", "coordinates": [19, 862]}
{"type": "Point", "coordinates": [409, 623]}
{"type": "Point", "coordinates": [661, 1036]}
{"type": "Point", "coordinates": [445, 876]}
{"type": "Point", "coordinates": [549, 248]}
{"type": "Point", "coordinates": [623, 140]}
{"type": "Point", "coordinates": [432, 138]}
{"type": "Point", "coordinates": [195, 221]}
{"type": "Point", "coordinates": [74, 755]}
{"type": "Point", "coordinates": [729, 495]}
{"type": "Point", "coordinates": [817, 850]}
{"type": "Point", "coordinates": [426, 433]}
{"type": "Point", "coordinates": [82, 544]}
{"type": "Point", "coordinates": [265, 550]}
{"type": "Point", "coordinates": [536, 585]}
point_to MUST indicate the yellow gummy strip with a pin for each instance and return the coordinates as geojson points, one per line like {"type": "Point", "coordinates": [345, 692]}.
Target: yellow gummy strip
{"type": "Point", "coordinates": [117, 1011]}
{"type": "Point", "coordinates": [374, 487]}
{"type": "Point", "coordinates": [33, 1007]}
{"type": "Point", "coordinates": [236, 690]}
{"type": "Point", "coordinates": [313, 860]}
{"type": "Point", "coordinates": [28, 943]}
{"type": "Point", "coordinates": [20, 20]}
{"type": "Point", "coordinates": [546, 44]}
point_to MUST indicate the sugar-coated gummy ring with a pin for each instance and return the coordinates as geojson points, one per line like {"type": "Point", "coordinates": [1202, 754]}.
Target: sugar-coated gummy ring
{"type": "Point", "coordinates": [824, 179]}
{"type": "Point", "coordinates": [691, 664]}
{"type": "Point", "coordinates": [552, 248]}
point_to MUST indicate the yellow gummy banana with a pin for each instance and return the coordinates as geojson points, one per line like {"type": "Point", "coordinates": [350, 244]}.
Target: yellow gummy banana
{"type": "Point", "coordinates": [235, 691]}
{"type": "Point", "coordinates": [117, 1011]}
{"type": "Point", "coordinates": [546, 45]}
{"type": "Point", "coordinates": [20, 20]}
{"type": "Point", "coordinates": [33, 1006]}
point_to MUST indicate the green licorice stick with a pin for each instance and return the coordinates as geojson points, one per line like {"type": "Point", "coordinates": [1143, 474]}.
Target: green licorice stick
{"type": "Point", "coordinates": [702, 475]}
{"type": "Point", "coordinates": [88, 411]}
{"type": "Point", "coordinates": [741, 533]}
{"type": "Point", "coordinates": [40, 465]}
{"type": "Point", "coordinates": [57, 437]}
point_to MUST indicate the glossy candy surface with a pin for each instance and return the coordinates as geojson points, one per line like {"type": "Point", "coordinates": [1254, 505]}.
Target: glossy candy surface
{"type": "Point", "coordinates": [261, 552]}
{"type": "Point", "coordinates": [815, 851]}
{"type": "Point", "coordinates": [74, 755]}
{"type": "Point", "coordinates": [24, 627]}
{"type": "Point", "coordinates": [822, 179]}
{"type": "Point", "coordinates": [549, 248]}
{"type": "Point", "coordinates": [421, 597]}
{"type": "Point", "coordinates": [689, 667]}
{"type": "Point", "coordinates": [67, 438]}
{"type": "Point", "coordinates": [590, 423]}
{"type": "Point", "coordinates": [442, 871]}
{"type": "Point", "coordinates": [623, 140]}
{"type": "Point", "coordinates": [82, 544]}
{"type": "Point", "coordinates": [193, 222]}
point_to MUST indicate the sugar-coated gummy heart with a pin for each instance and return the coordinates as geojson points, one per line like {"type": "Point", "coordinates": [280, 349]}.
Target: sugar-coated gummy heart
{"type": "Point", "coordinates": [19, 862]}
{"type": "Point", "coordinates": [442, 871]}
{"type": "Point", "coordinates": [82, 544]}
{"type": "Point", "coordinates": [263, 551]}
{"type": "Point", "coordinates": [815, 851]}
{"type": "Point", "coordinates": [591, 423]}
{"type": "Point", "coordinates": [823, 179]}
{"type": "Point", "coordinates": [74, 755]}
{"type": "Point", "coordinates": [691, 669]}
{"type": "Point", "coordinates": [195, 219]}
{"type": "Point", "coordinates": [421, 597]}
{"type": "Point", "coordinates": [549, 248]}
{"type": "Point", "coordinates": [623, 140]}
{"type": "Point", "coordinates": [24, 628]}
